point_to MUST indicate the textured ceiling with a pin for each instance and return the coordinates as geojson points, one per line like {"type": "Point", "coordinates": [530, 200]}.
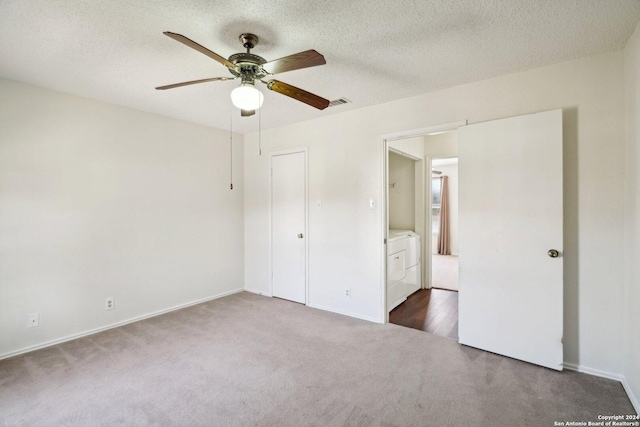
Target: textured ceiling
{"type": "Point", "coordinates": [376, 51]}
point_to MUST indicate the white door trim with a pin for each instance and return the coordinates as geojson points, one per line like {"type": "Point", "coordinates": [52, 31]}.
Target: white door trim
{"type": "Point", "coordinates": [273, 154]}
{"type": "Point", "coordinates": [384, 206]}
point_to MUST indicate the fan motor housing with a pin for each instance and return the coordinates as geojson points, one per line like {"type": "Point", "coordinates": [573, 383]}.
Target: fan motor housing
{"type": "Point", "coordinates": [247, 64]}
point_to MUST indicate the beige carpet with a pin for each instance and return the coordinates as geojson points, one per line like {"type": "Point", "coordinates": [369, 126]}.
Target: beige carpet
{"type": "Point", "coordinates": [444, 273]}
{"type": "Point", "coordinates": [247, 360]}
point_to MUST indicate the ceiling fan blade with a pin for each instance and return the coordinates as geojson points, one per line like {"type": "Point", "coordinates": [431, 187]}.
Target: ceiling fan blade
{"type": "Point", "coordinates": [247, 113]}
{"type": "Point", "coordinates": [308, 58]}
{"type": "Point", "coordinates": [192, 82]}
{"type": "Point", "coordinates": [298, 94]}
{"type": "Point", "coordinates": [188, 42]}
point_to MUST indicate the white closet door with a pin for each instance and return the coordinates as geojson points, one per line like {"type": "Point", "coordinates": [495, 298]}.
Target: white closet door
{"type": "Point", "coordinates": [510, 221]}
{"type": "Point", "coordinates": [288, 219]}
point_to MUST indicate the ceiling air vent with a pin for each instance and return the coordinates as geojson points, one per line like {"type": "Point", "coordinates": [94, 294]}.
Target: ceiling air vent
{"type": "Point", "coordinates": [339, 101]}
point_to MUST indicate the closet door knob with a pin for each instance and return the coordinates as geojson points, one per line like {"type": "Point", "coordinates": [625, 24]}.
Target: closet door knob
{"type": "Point", "coordinates": [553, 253]}
{"type": "Point", "coordinates": [300, 236]}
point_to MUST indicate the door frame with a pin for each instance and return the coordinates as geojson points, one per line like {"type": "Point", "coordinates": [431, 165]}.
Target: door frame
{"type": "Point", "coordinates": [384, 144]}
{"type": "Point", "coordinates": [273, 154]}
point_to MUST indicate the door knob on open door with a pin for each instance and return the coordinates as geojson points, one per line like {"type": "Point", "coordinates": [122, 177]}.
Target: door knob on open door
{"type": "Point", "coordinates": [553, 253]}
{"type": "Point", "coordinates": [300, 236]}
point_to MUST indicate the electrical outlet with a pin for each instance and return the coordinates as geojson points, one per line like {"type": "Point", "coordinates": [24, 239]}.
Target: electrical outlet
{"type": "Point", "coordinates": [347, 292]}
{"type": "Point", "coordinates": [33, 320]}
{"type": "Point", "coordinates": [109, 303]}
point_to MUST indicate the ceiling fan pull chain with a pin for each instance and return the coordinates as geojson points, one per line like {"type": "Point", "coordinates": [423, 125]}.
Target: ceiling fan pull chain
{"type": "Point", "coordinates": [259, 133]}
{"type": "Point", "coordinates": [231, 148]}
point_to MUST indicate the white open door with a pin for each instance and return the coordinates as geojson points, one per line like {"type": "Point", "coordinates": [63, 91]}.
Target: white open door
{"type": "Point", "coordinates": [510, 224]}
{"type": "Point", "coordinates": [288, 226]}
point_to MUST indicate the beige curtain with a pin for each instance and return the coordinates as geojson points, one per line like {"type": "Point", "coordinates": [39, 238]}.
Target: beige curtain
{"type": "Point", "coordinates": [444, 245]}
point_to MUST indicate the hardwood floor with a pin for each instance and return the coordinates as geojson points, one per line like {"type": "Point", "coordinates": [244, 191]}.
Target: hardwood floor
{"type": "Point", "coordinates": [430, 310]}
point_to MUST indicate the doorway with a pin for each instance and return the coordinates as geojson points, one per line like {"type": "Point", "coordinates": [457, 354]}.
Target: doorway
{"type": "Point", "coordinates": [433, 306]}
{"type": "Point", "coordinates": [444, 223]}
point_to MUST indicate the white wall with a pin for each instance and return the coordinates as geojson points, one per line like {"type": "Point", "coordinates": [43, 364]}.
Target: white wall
{"type": "Point", "coordinates": [632, 214]}
{"type": "Point", "coordinates": [346, 167]}
{"type": "Point", "coordinates": [412, 146]}
{"type": "Point", "coordinates": [402, 192]}
{"type": "Point", "coordinates": [441, 145]}
{"type": "Point", "coordinates": [98, 200]}
{"type": "Point", "coordinates": [452, 172]}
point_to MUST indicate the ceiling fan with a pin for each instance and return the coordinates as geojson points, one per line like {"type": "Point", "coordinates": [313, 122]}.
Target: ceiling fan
{"type": "Point", "coordinates": [251, 68]}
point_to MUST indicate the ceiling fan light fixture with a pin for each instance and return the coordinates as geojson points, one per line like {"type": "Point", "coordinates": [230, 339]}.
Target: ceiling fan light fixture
{"type": "Point", "coordinates": [247, 97]}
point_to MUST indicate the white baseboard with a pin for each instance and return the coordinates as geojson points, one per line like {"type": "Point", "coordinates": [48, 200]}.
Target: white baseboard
{"type": "Point", "coordinates": [320, 307]}
{"type": "Point", "coordinates": [609, 375]}
{"type": "Point", "coordinates": [591, 371]}
{"type": "Point", "coordinates": [632, 397]}
{"type": "Point", "coordinates": [255, 291]}
{"type": "Point", "coordinates": [345, 313]}
{"type": "Point", "coordinates": [114, 325]}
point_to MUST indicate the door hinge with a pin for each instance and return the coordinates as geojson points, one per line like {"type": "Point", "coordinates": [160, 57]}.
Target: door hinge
{"type": "Point", "coordinates": [385, 241]}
